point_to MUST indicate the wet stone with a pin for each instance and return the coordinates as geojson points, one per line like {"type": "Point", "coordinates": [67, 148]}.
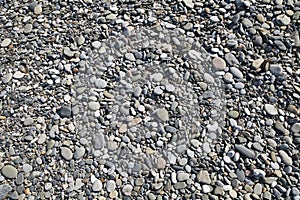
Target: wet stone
{"type": "Point", "coordinates": [64, 111]}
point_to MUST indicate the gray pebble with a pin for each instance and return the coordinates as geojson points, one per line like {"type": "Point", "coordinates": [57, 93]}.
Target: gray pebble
{"type": "Point", "coordinates": [130, 57]}
{"type": "Point", "coordinates": [127, 189]}
{"type": "Point", "coordinates": [7, 78]}
{"type": "Point", "coordinates": [245, 151]}
{"type": "Point", "coordinates": [295, 128]}
{"type": "Point", "coordinates": [276, 69]}
{"type": "Point", "coordinates": [231, 59]}
{"type": "Point", "coordinates": [28, 121]}
{"type": "Point", "coordinates": [6, 42]}
{"type": "Point", "coordinates": [4, 190]}
{"type": "Point", "coordinates": [286, 159]}
{"type": "Point", "coordinates": [182, 176]}
{"type": "Point", "coordinates": [27, 168]}
{"type": "Point", "coordinates": [66, 153]}
{"type": "Point", "coordinates": [94, 105]}
{"type": "Point", "coordinates": [28, 28]}
{"type": "Point", "coordinates": [219, 64]}
{"type": "Point", "coordinates": [236, 72]}
{"type": "Point", "coordinates": [162, 114]}
{"type": "Point", "coordinates": [270, 109]}
{"type": "Point", "coordinates": [110, 185]}
{"type": "Point", "coordinates": [79, 152]}
{"type": "Point", "coordinates": [97, 185]}
{"type": "Point", "coordinates": [9, 171]}
{"type": "Point", "coordinates": [204, 177]}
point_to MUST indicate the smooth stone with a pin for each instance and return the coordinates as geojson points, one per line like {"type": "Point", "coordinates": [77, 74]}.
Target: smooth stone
{"type": "Point", "coordinates": [276, 69]}
{"type": "Point", "coordinates": [257, 63]}
{"type": "Point", "coordinates": [97, 185]}
{"type": "Point", "coordinates": [280, 45]}
{"type": "Point", "coordinates": [161, 163]}
{"type": "Point", "coordinates": [204, 177]}
{"type": "Point", "coordinates": [4, 190]}
{"type": "Point", "coordinates": [188, 3]}
{"type": "Point", "coordinates": [127, 189]}
{"type": "Point", "coordinates": [96, 44]}
{"type": "Point", "coordinates": [94, 105]}
{"type": "Point", "coordinates": [231, 59]}
{"type": "Point", "coordinates": [236, 72]}
{"type": "Point", "coordinates": [27, 168]}
{"type": "Point", "coordinates": [258, 189]}
{"type": "Point", "coordinates": [157, 77]}
{"type": "Point", "coordinates": [27, 28]}
{"type": "Point", "coordinates": [267, 195]}
{"type": "Point", "coordinates": [7, 78]}
{"type": "Point", "coordinates": [100, 83]}
{"type": "Point", "coordinates": [179, 185]}
{"type": "Point", "coordinates": [19, 179]}
{"type": "Point", "coordinates": [98, 141]}
{"type": "Point", "coordinates": [130, 57]}
{"type": "Point", "coordinates": [283, 19]}
{"type": "Point", "coordinates": [182, 176]}
{"type": "Point", "coordinates": [110, 186]}
{"type": "Point", "coordinates": [233, 194]}
{"type": "Point", "coordinates": [162, 114]}
{"type": "Point", "coordinates": [18, 75]}
{"type": "Point", "coordinates": [234, 114]}
{"type": "Point", "coordinates": [280, 127]}
{"type": "Point", "coordinates": [245, 151]}
{"type": "Point", "coordinates": [218, 64]}
{"type": "Point", "coordinates": [214, 19]}
{"type": "Point", "coordinates": [68, 52]}
{"type": "Point", "coordinates": [9, 171]}
{"type": "Point", "coordinates": [38, 10]}
{"type": "Point", "coordinates": [64, 111]}
{"type": "Point", "coordinates": [28, 121]}
{"type": "Point", "coordinates": [6, 42]}
{"type": "Point", "coordinates": [295, 128]}
{"type": "Point", "coordinates": [206, 189]}
{"type": "Point", "coordinates": [208, 78]}
{"type": "Point", "coordinates": [270, 109]}
{"type": "Point", "coordinates": [247, 23]}
{"type": "Point", "coordinates": [79, 152]}
{"type": "Point", "coordinates": [81, 40]}
{"type": "Point", "coordinates": [228, 77]}
{"type": "Point", "coordinates": [293, 109]}
{"type": "Point", "coordinates": [66, 153]}
{"type": "Point", "coordinates": [286, 159]}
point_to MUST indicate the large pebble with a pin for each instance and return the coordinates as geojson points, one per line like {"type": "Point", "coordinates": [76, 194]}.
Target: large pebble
{"type": "Point", "coordinates": [127, 189]}
{"type": "Point", "coordinates": [94, 105]}
{"type": "Point", "coordinates": [295, 128]}
{"type": "Point", "coordinates": [7, 78]}
{"type": "Point", "coordinates": [270, 109]}
{"type": "Point", "coordinates": [204, 177]}
{"type": "Point", "coordinates": [5, 42]}
{"type": "Point", "coordinates": [110, 185]}
{"type": "Point", "coordinates": [236, 72]}
{"type": "Point", "coordinates": [4, 190]}
{"type": "Point", "coordinates": [188, 3]}
{"type": "Point", "coordinates": [218, 63]}
{"type": "Point", "coordinates": [9, 171]}
{"type": "Point", "coordinates": [245, 151]}
{"type": "Point", "coordinates": [162, 114]}
{"type": "Point", "coordinates": [66, 153]}
{"type": "Point", "coordinates": [286, 159]}
{"type": "Point", "coordinates": [97, 185]}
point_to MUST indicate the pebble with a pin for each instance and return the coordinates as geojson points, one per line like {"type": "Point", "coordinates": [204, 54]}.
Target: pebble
{"type": "Point", "coordinates": [38, 10]}
{"type": "Point", "coordinates": [204, 177]}
{"type": "Point", "coordinates": [234, 114]}
{"type": "Point", "coordinates": [283, 19]}
{"type": "Point", "coordinates": [97, 185]}
{"type": "Point", "coordinates": [79, 152]}
{"type": "Point", "coordinates": [219, 64]}
{"type": "Point", "coordinates": [9, 171]}
{"type": "Point", "coordinates": [4, 190]}
{"type": "Point", "coordinates": [286, 159]}
{"type": "Point", "coordinates": [162, 114]}
{"type": "Point", "coordinates": [188, 3]}
{"type": "Point", "coordinates": [245, 151]}
{"type": "Point", "coordinates": [231, 59]}
{"type": "Point", "coordinates": [236, 72]}
{"type": "Point", "coordinates": [7, 78]}
{"type": "Point", "coordinates": [18, 75]}
{"type": "Point", "coordinates": [68, 52]}
{"type": "Point", "coordinates": [110, 185]}
{"type": "Point", "coordinates": [96, 44]}
{"type": "Point", "coordinates": [28, 28]}
{"type": "Point", "coordinates": [27, 168]}
{"type": "Point", "coordinates": [94, 105]}
{"type": "Point", "coordinates": [130, 57]}
{"type": "Point", "coordinates": [28, 121]}
{"type": "Point", "coordinates": [182, 176]}
{"type": "Point", "coordinates": [208, 78]}
{"type": "Point", "coordinates": [295, 128]}
{"type": "Point", "coordinates": [270, 109]}
{"type": "Point", "coordinates": [66, 153]}
{"type": "Point", "coordinates": [127, 189]}
{"type": "Point", "coordinates": [6, 42]}
{"type": "Point", "coordinates": [276, 69]}
{"type": "Point", "coordinates": [206, 189]}
{"type": "Point", "coordinates": [161, 163]}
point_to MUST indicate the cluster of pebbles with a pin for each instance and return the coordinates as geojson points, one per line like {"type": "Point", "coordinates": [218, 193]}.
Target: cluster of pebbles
{"type": "Point", "coordinates": [150, 99]}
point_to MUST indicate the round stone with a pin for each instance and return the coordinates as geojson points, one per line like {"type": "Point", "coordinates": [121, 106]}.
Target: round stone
{"type": "Point", "coordinates": [270, 109]}
{"type": "Point", "coordinates": [27, 168]}
{"type": "Point", "coordinates": [97, 185]}
{"type": "Point", "coordinates": [208, 78]}
{"type": "Point", "coordinates": [283, 19]}
{"type": "Point", "coordinates": [286, 159]}
{"type": "Point", "coordinates": [38, 9]}
{"type": "Point", "coordinates": [110, 185]}
{"type": "Point", "coordinates": [96, 44]}
{"type": "Point", "coordinates": [79, 152]}
{"type": "Point", "coordinates": [66, 153]}
{"type": "Point", "coordinates": [28, 28]}
{"type": "Point", "coordinates": [28, 121]}
{"type": "Point", "coordinates": [130, 57]}
{"type": "Point", "coordinates": [182, 176]}
{"type": "Point", "coordinates": [94, 105]}
{"type": "Point", "coordinates": [18, 75]}
{"type": "Point", "coordinates": [295, 128]}
{"type": "Point", "coordinates": [219, 64]}
{"type": "Point", "coordinates": [7, 78]}
{"type": "Point", "coordinates": [206, 189]}
{"type": "Point", "coordinates": [5, 42]}
{"type": "Point", "coordinates": [236, 72]}
{"type": "Point", "coordinates": [161, 163]}
{"type": "Point", "coordinates": [9, 171]}
{"type": "Point", "coordinates": [162, 114]}
{"type": "Point", "coordinates": [233, 114]}
{"type": "Point", "coordinates": [127, 189]}
{"type": "Point", "coordinates": [157, 77]}
{"type": "Point", "coordinates": [276, 69]}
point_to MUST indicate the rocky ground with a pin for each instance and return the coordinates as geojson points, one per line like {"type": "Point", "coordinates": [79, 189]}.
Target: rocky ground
{"type": "Point", "coordinates": [149, 99]}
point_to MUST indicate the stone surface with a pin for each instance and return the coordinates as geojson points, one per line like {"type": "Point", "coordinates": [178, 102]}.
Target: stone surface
{"type": "Point", "coordinates": [9, 171]}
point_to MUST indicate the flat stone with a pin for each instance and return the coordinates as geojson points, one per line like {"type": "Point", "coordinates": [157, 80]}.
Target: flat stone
{"type": "Point", "coordinates": [204, 177]}
{"type": "Point", "coordinates": [127, 189]}
{"type": "Point", "coordinates": [218, 64]}
{"type": "Point", "coordinates": [258, 189]}
{"type": "Point", "coordinates": [280, 127]}
{"type": "Point", "coordinates": [27, 168]}
{"type": "Point", "coordinates": [98, 141]}
{"type": "Point", "coordinates": [179, 185]}
{"type": "Point", "coordinates": [208, 78]}
{"type": "Point", "coordinates": [38, 10]}
{"type": "Point", "coordinates": [182, 176]}
{"type": "Point", "coordinates": [81, 40]}
{"type": "Point", "coordinates": [7, 78]}
{"type": "Point", "coordinates": [162, 114]}
{"type": "Point", "coordinates": [79, 152]}
{"type": "Point", "coordinates": [276, 69]}
{"type": "Point", "coordinates": [231, 59]}
{"type": "Point", "coordinates": [206, 189]}
{"type": "Point", "coordinates": [295, 128]}
{"type": "Point", "coordinates": [27, 28]}
{"type": "Point", "coordinates": [6, 42]}
{"type": "Point", "coordinates": [280, 45]}
{"type": "Point", "coordinates": [286, 159]}
{"type": "Point", "coordinates": [97, 186]}
{"type": "Point", "coordinates": [9, 171]}
{"type": "Point", "coordinates": [64, 111]}
{"type": "Point", "coordinates": [100, 83]}
{"type": "Point", "coordinates": [94, 105]}
{"type": "Point", "coordinates": [4, 190]}
{"type": "Point", "coordinates": [245, 151]}
{"type": "Point", "coordinates": [257, 63]}
{"type": "Point", "coordinates": [188, 3]}
{"type": "Point", "coordinates": [96, 44]}
{"type": "Point", "coordinates": [270, 109]}
{"type": "Point", "coordinates": [233, 114]}
{"type": "Point", "coordinates": [236, 72]}
{"type": "Point", "coordinates": [68, 52]}
{"type": "Point", "coordinates": [28, 121]}
{"type": "Point", "coordinates": [247, 23]}
{"type": "Point", "coordinates": [161, 163]}
{"type": "Point", "coordinates": [233, 194]}
{"type": "Point", "coordinates": [130, 57]}
{"type": "Point", "coordinates": [157, 77]}
{"type": "Point", "coordinates": [110, 186]}
{"type": "Point", "coordinates": [66, 153]}
{"type": "Point", "coordinates": [18, 75]}
{"type": "Point", "coordinates": [283, 19]}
